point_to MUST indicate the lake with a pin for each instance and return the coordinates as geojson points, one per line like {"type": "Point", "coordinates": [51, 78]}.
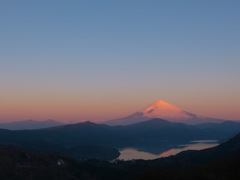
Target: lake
{"type": "Point", "coordinates": [131, 153]}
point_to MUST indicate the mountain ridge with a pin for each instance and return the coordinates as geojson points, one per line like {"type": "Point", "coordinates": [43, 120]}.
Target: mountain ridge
{"type": "Point", "coordinates": [29, 124]}
{"type": "Point", "coordinates": [163, 110]}
{"type": "Point", "coordinates": [151, 133]}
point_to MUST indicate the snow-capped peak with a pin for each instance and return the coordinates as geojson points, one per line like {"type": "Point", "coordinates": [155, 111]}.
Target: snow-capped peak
{"type": "Point", "coordinates": [164, 110]}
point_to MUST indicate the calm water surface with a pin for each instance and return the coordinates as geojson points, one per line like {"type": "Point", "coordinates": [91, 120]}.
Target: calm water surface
{"type": "Point", "coordinates": [134, 153]}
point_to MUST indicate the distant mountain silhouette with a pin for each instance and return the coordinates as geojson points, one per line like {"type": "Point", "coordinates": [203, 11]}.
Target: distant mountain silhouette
{"type": "Point", "coordinates": [29, 124]}
{"type": "Point", "coordinates": [163, 110]}
{"type": "Point", "coordinates": [152, 133]}
{"type": "Point", "coordinates": [67, 139]}
{"type": "Point", "coordinates": [159, 132]}
{"type": "Point", "coordinates": [226, 127]}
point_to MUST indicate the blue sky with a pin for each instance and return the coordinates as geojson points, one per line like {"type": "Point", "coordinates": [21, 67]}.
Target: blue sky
{"type": "Point", "coordinates": [84, 58]}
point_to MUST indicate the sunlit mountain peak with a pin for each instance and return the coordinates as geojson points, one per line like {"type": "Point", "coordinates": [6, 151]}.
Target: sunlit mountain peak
{"type": "Point", "coordinates": [164, 110]}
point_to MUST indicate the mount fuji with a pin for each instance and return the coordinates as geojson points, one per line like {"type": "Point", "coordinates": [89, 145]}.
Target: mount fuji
{"type": "Point", "coordinates": [163, 110]}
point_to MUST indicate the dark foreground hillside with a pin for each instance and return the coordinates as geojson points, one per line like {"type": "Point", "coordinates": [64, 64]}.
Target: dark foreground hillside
{"type": "Point", "coordinates": [223, 169]}
{"type": "Point", "coordinates": [218, 163]}
{"type": "Point", "coordinates": [18, 164]}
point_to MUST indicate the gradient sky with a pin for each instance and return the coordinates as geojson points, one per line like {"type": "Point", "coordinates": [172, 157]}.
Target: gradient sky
{"type": "Point", "coordinates": [93, 60]}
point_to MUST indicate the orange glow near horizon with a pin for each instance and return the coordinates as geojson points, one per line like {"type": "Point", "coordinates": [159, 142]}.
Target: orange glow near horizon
{"type": "Point", "coordinates": [113, 63]}
{"type": "Point", "coordinates": [64, 109]}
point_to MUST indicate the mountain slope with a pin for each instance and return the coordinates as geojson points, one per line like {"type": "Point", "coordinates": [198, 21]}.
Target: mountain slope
{"type": "Point", "coordinates": [29, 124]}
{"type": "Point", "coordinates": [163, 110]}
{"type": "Point", "coordinates": [152, 133]}
{"type": "Point", "coordinates": [220, 162]}
{"type": "Point", "coordinates": [20, 164]}
{"type": "Point", "coordinates": [228, 149]}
